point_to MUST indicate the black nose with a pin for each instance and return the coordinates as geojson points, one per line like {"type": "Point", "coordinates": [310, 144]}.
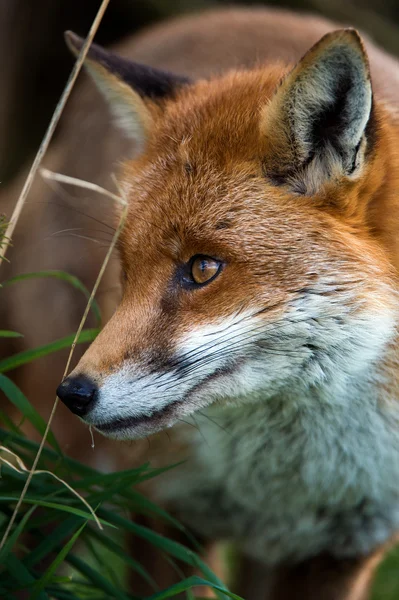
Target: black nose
{"type": "Point", "coordinates": [78, 393]}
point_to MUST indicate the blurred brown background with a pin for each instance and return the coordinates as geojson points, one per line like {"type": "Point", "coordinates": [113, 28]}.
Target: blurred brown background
{"type": "Point", "coordinates": [35, 63]}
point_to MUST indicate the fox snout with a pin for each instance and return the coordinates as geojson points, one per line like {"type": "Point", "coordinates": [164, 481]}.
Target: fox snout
{"type": "Point", "coordinates": [78, 393]}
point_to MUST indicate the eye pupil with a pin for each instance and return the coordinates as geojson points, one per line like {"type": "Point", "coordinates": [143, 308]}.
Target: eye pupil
{"type": "Point", "coordinates": [203, 269]}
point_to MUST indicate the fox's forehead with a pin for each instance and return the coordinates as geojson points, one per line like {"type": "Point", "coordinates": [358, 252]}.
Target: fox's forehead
{"type": "Point", "coordinates": [218, 119]}
{"type": "Point", "coordinates": [201, 174]}
{"type": "Point", "coordinates": [210, 123]}
{"type": "Point", "coordinates": [207, 210]}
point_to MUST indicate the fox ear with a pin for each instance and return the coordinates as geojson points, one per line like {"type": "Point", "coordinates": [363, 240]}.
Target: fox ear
{"type": "Point", "coordinates": [127, 86]}
{"type": "Point", "coordinates": [315, 127]}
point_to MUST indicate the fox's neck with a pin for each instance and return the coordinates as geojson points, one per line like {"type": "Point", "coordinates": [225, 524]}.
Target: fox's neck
{"type": "Point", "coordinates": [351, 411]}
{"type": "Point", "coordinates": [309, 454]}
{"type": "Point", "coordinates": [341, 437]}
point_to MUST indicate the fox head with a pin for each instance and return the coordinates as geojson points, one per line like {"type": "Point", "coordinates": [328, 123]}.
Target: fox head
{"type": "Point", "coordinates": [249, 260]}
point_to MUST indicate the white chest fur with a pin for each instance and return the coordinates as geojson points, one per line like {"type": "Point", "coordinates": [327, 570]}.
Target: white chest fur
{"type": "Point", "coordinates": [294, 476]}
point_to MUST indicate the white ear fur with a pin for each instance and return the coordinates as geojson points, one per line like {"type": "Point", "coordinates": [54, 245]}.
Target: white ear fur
{"type": "Point", "coordinates": [315, 125]}
{"type": "Point", "coordinates": [128, 87]}
{"type": "Point", "coordinates": [128, 109]}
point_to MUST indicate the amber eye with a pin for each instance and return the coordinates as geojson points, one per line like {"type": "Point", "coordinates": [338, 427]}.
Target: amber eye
{"type": "Point", "coordinates": [204, 269]}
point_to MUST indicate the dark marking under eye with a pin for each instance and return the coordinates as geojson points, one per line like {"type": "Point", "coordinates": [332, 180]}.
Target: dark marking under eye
{"type": "Point", "coordinates": [180, 280]}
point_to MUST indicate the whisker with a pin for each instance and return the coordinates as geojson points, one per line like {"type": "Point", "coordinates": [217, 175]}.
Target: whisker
{"type": "Point", "coordinates": [61, 191]}
{"type": "Point", "coordinates": [76, 235]}
{"type": "Point", "coordinates": [196, 356]}
{"type": "Point", "coordinates": [187, 423]}
{"type": "Point", "coordinates": [108, 290]}
{"type": "Point", "coordinates": [208, 345]}
{"type": "Point", "coordinates": [68, 230]}
{"type": "Point", "coordinates": [200, 431]}
{"type": "Point", "coordinates": [74, 209]}
{"type": "Point", "coordinates": [209, 359]}
{"type": "Point", "coordinates": [214, 422]}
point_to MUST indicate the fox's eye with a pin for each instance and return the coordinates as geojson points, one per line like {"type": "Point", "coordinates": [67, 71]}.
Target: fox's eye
{"type": "Point", "coordinates": [198, 271]}
{"type": "Point", "coordinates": [204, 269]}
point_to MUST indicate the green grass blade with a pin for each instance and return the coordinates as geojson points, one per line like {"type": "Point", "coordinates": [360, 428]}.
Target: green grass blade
{"type": "Point", "coordinates": [42, 486]}
{"type": "Point", "coordinates": [8, 546]}
{"type": "Point", "coordinates": [106, 567]}
{"type": "Point", "coordinates": [51, 542]}
{"type": "Point", "coordinates": [26, 356]}
{"type": "Point", "coordinates": [127, 559]}
{"type": "Point", "coordinates": [62, 507]}
{"type": "Point", "coordinates": [4, 418]}
{"type": "Point", "coordinates": [108, 479]}
{"type": "Point", "coordinates": [180, 587]}
{"type": "Point", "coordinates": [147, 507]}
{"type": "Point", "coordinates": [63, 276]}
{"type": "Point", "coordinates": [50, 571]}
{"type": "Point", "coordinates": [19, 400]}
{"type": "Point", "coordinates": [16, 442]}
{"type": "Point", "coordinates": [21, 574]}
{"type": "Point", "coordinates": [61, 593]}
{"type": "Point", "coordinates": [96, 578]}
{"type": "Point", "coordinates": [171, 547]}
{"type": "Point", "coordinates": [138, 503]}
{"type": "Point", "coordinates": [186, 585]}
{"type": "Point", "coordinates": [4, 333]}
{"type": "Point", "coordinates": [111, 492]}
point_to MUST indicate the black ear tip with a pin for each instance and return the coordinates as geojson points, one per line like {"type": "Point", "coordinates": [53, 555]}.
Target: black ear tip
{"type": "Point", "coordinates": [73, 41]}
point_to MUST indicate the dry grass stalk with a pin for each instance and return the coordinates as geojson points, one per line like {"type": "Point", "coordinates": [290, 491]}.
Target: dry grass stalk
{"type": "Point", "coordinates": [20, 467]}
{"type": "Point", "coordinates": [50, 130]}
{"type": "Point", "coordinates": [121, 223]}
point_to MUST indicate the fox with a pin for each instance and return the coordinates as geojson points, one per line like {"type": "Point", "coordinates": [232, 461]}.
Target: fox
{"type": "Point", "coordinates": [258, 151]}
